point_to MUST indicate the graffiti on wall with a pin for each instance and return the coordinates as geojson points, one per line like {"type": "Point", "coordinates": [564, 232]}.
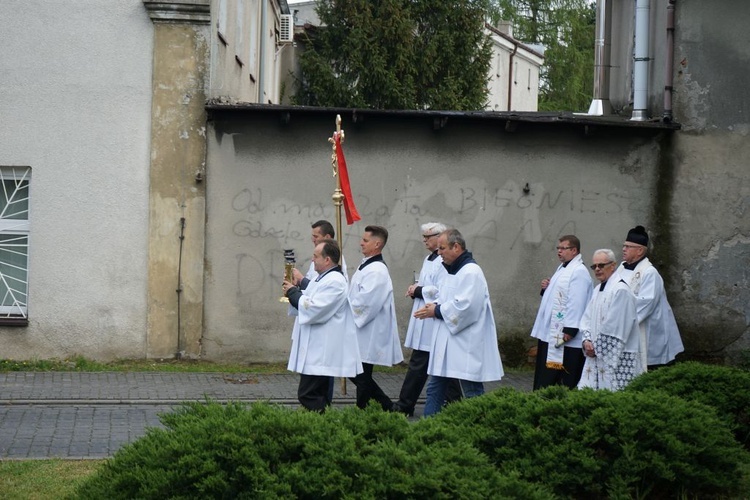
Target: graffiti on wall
{"type": "Point", "coordinates": [491, 218]}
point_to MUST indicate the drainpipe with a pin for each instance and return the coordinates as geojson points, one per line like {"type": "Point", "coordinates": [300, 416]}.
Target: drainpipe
{"type": "Point", "coordinates": [669, 70]}
{"type": "Point", "coordinates": [510, 74]}
{"type": "Point", "coordinates": [641, 59]}
{"type": "Point", "coordinates": [262, 50]}
{"type": "Point", "coordinates": [600, 104]}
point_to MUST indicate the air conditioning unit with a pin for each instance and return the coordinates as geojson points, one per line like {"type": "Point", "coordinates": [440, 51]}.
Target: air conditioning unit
{"type": "Point", "coordinates": [286, 28]}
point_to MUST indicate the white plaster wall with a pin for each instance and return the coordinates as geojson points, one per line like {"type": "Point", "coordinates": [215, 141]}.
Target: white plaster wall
{"type": "Point", "coordinates": [525, 94]}
{"type": "Point", "coordinates": [75, 102]}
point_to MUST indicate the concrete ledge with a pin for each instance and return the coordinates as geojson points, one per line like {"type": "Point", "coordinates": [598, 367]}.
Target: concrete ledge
{"type": "Point", "coordinates": [182, 11]}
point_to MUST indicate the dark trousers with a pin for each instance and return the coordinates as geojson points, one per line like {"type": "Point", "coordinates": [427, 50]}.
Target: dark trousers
{"type": "Point", "coordinates": [573, 359]}
{"type": "Point", "coordinates": [368, 389]}
{"type": "Point", "coordinates": [331, 385]}
{"type": "Point", "coordinates": [415, 380]}
{"type": "Point", "coordinates": [313, 392]}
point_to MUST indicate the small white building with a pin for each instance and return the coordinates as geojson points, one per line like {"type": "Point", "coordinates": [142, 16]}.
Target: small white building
{"type": "Point", "coordinates": [514, 74]}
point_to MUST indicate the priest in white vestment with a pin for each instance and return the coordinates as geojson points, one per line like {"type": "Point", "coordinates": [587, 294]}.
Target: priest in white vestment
{"type": "Point", "coordinates": [655, 317]}
{"type": "Point", "coordinates": [374, 312]}
{"type": "Point", "coordinates": [610, 330]}
{"type": "Point", "coordinates": [559, 357]}
{"type": "Point", "coordinates": [464, 340]}
{"type": "Point", "coordinates": [325, 344]}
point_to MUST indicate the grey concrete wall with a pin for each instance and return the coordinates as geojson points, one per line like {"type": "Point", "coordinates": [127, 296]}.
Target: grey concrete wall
{"type": "Point", "coordinates": [711, 199]}
{"type": "Point", "coordinates": [268, 182]}
{"type": "Point", "coordinates": [703, 192]}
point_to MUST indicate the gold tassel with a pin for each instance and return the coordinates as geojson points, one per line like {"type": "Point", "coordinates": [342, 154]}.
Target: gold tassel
{"type": "Point", "coordinates": [555, 366]}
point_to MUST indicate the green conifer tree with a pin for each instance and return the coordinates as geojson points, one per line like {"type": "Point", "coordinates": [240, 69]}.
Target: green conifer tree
{"type": "Point", "coordinates": [566, 29]}
{"type": "Point", "coordinates": [396, 54]}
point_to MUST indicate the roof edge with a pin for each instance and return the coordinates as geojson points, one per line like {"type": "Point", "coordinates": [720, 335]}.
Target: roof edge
{"type": "Point", "coordinates": [216, 107]}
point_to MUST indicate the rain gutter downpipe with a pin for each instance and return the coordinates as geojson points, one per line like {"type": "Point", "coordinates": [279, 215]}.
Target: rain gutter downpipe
{"type": "Point", "coordinates": [600, 104]}
{"type": "Point", "coordinates": [669, 70]}
{"type": "Point", "coordinates": [510, 75]}
{"type": "Point", "coordinates": [262, 50]}
{"type": "Point", "coordinates": [641, 61]}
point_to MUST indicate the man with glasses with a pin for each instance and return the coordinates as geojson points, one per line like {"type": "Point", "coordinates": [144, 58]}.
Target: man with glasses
{"type": "Point", "coordinates": [419, 333]}
{"type": "Point", "coordinates": [610, 330]}
{"type": "Point", "coordinates": [559, 358]}
{"type": "Point", "coordinates": [658, 327]}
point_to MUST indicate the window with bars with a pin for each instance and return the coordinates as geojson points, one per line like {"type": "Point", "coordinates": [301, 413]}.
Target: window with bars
{"type": "Point", "coordinates": [14, 245]}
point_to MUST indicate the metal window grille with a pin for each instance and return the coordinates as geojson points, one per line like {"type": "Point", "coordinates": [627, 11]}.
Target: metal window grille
{"type": "Point", "coordinates": [14, 241]}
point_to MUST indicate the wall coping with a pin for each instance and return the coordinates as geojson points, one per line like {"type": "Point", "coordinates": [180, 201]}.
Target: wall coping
{"type": "Point", "coordinates": [180, 11]}
{"type": "Point", "coordinates": [511, 120]}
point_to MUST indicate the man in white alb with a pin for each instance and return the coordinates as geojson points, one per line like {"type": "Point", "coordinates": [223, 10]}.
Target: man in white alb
{"type": "Point", "coordinates": [374, 312]}
{"type": "Point", "coordinates": [609, 328]}
{"type": "Point", "coordinates": [321, 230]}
{"type": "Point", "coordinates": [324, 344]}
{"type": "Point", "coordinates": [464, 340]}
{"type": "Point", "coordinates": [655, 317]}
{"type": "Point", "coordinates": [419, 332]}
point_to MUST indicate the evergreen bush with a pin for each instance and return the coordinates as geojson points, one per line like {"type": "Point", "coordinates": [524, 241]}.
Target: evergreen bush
{"type": "Point", "coordinates": [264, 451]}
{"type": "Point", "coordinates": [600, 444]}
{"type": "Point", "coordinates": [724, 388]}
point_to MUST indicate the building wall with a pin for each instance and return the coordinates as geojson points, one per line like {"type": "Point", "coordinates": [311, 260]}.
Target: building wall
{"type": "Point", "coordinates": [702, 200]}
{"type": "Point", "coordinates": [235, 39]}
{"type": "Point", "coordinates": [245, 64]}
{"type": "Point", "coordinates": [177, 199]}
{"type": "Point", "coordinates": [81, 85]}
{"type": "Point", "coordinates": [269, 182]}
{"type": "Point", "coordinates": [710, 226]}
{"type": "Point", "coordinates": [75, 101]}
{"type": "Point", "coordinates": [515, 66]}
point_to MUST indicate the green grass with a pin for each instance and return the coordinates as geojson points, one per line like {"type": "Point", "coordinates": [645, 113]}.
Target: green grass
{"type": "Point", "coordinates": [81, 364]}
{"type": "Point", "coordinates": [43, 479]}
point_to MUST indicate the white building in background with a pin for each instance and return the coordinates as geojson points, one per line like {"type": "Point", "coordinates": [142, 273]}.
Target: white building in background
{"type": "Point", "coordinates": [247, 48]}
{"type": "Point", "coordinates": [514, 73]}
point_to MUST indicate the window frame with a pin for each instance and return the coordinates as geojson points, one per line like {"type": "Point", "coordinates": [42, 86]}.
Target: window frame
{"type": "Point", "coordinates": [15, 314]}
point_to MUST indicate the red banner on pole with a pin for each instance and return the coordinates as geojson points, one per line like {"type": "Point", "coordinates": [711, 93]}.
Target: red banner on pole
{"type": "Point", "coordinates": [352, 215]}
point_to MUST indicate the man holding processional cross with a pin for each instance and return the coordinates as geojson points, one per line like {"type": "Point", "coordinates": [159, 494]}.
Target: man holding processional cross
{"type": "Point", "coordinates": [333, 349]}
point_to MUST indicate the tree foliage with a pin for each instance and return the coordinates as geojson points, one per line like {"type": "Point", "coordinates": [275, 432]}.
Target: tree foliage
{"type": "Point", "coordinates": [566, 29]}
{"type": "Point", "coordinates": [397, 54]}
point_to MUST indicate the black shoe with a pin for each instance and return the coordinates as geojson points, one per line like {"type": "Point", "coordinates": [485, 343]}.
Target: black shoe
{"type": "Point", "coordinates": [396, 408]}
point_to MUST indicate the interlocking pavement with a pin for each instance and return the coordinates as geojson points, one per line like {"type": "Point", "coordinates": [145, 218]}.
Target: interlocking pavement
{"type": "Point", "coordinates": [82, 415]}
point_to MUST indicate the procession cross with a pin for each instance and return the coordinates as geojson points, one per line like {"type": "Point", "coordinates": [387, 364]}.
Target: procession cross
{"type": "Point", "coordinates": [338, 195]}
{"type": "Point", "coordinates": [338, 200]}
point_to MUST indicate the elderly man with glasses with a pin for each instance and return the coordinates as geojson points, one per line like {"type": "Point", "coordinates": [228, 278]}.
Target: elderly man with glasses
{"type": "Point", "coordinates": [559, 358]}
{"type": "Point", "coordinates": [658, 328]}
{"type": "Point", "coordinates": [419, 333]}
{"type": "Point", "coordinates": [610, 330]}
